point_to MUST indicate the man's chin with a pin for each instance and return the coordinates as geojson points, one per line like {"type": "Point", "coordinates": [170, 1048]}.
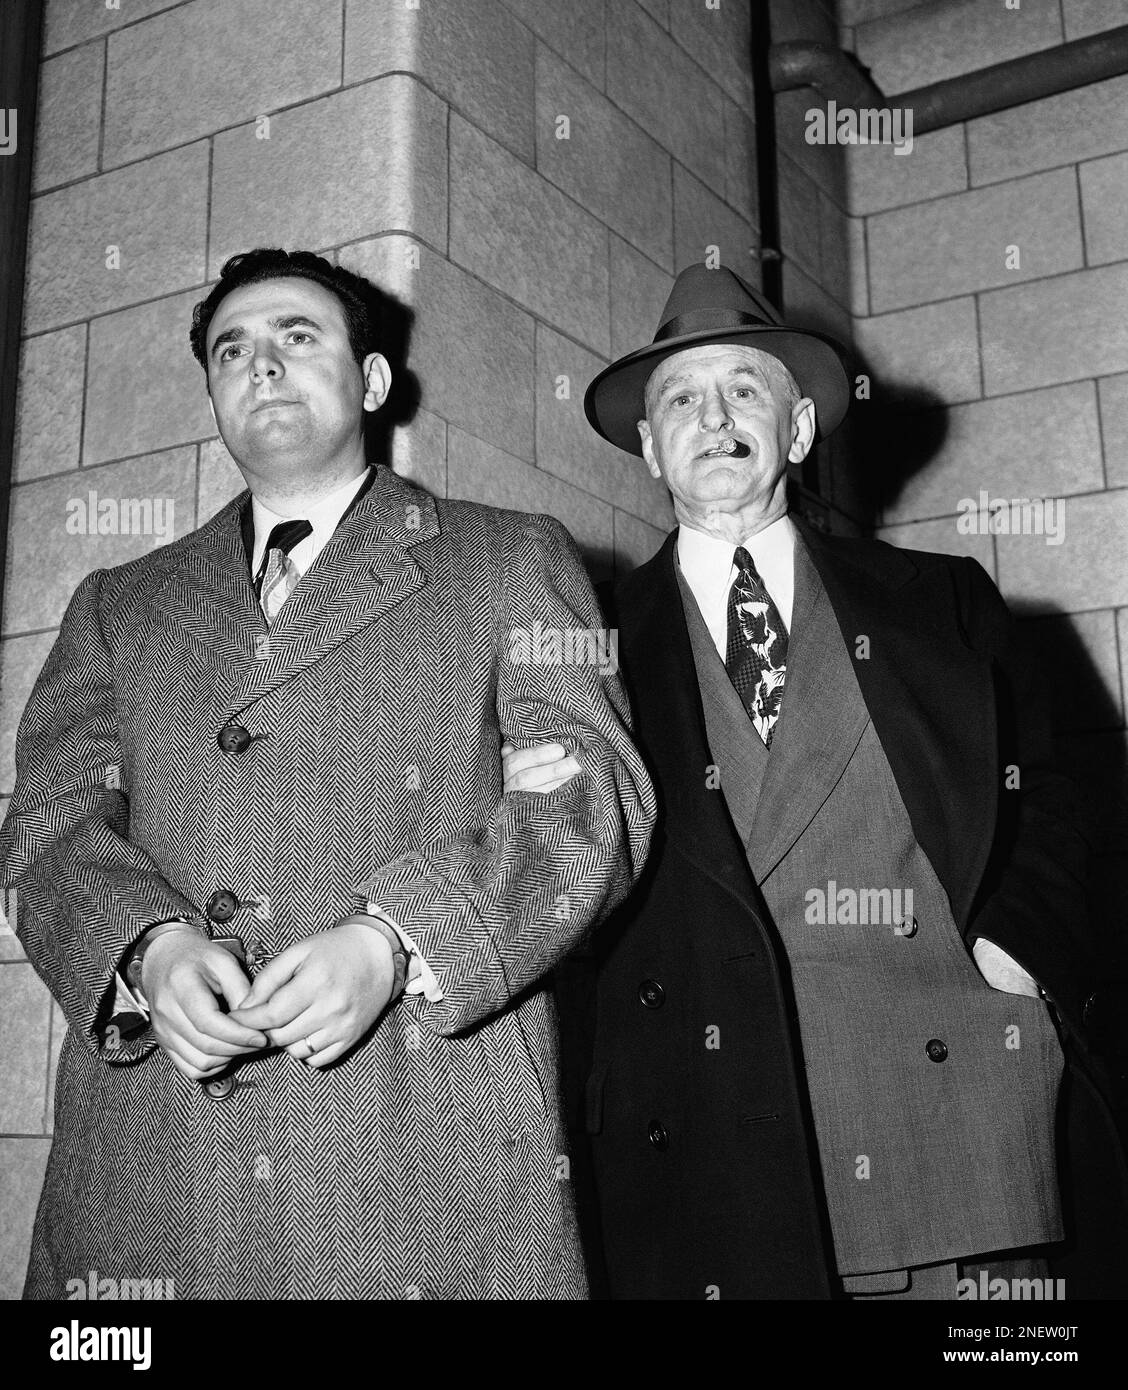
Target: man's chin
{"type": "Point", "coordinates": [721, 483]}
{"type": "Point", "coordinates": [275, 431]}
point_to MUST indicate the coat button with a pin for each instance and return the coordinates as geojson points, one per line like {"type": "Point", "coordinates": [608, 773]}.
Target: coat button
{"type": "Point", "coordinates": [658, 1134]}
{"type": "Point", "coordinates": [219, 1087]}
{"type": "Point", "coordinates": [222, 905]}
{"type": "Point", "coordinates": [908, 928]}
{"type": "Point", "coordinates": [936, 1050]}
{"type": "Point", "coordinates": [233, 738]}
{"type": "Point", "coordinates": [652, 994]}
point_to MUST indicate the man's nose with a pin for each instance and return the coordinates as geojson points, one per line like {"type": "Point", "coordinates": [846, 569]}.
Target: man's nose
{"type": "Point", "coordinates": [264, 365]}
{"type": "Point", "coordinates": [714, 411]}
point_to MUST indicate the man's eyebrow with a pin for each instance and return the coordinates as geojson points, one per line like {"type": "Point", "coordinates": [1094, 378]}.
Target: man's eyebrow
{"type": "Point", "coordinates": [674, 379]}
{"type": "Point", "coordinates": [293, 321]}
{"type": "Point", "coordinates": [237, 332]}
{"type": "Point", "coordinates": [754, 372]}
{"type": "Point", "coordinates": [684, 378]}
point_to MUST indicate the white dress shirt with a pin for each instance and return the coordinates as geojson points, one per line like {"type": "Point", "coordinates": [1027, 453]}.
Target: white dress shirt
{"type": "Point", "coordinates": [707, 564]}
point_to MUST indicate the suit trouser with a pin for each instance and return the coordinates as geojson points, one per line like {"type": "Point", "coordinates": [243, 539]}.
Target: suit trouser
{"type": "Point", "coordinates": [940, 1281]}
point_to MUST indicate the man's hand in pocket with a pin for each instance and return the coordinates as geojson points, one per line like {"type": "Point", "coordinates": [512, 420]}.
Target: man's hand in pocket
{"type": "Point", "coordinates": [1001, 971]}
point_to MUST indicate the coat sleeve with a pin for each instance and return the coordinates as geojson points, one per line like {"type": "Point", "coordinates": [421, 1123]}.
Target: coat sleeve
{"type": "Point", "coordinates": [492, 914]}
{"type": "Point", "coordinates": [1032, 900]}
{"type": "Point", "coordinates": [83, 892]}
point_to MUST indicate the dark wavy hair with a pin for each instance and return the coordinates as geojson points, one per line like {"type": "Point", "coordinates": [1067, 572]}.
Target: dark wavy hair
{"type": "Point", "coordinates": [357, 297]}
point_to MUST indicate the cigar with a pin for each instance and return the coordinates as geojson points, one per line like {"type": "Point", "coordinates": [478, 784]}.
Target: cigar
{"type": "Point", "coordinates": [735, 448]}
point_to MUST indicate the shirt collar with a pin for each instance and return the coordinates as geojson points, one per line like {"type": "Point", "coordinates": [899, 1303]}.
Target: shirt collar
{"type": "Point", "coordinates": [323, 515]}
{"type": "Point", "coordinates": [707, 562]}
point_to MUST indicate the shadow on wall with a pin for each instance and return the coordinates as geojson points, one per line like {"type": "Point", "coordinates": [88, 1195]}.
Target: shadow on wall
{"type": "Point", "coordinates": [1081, 706]}
{"type": "Point", "coordinates": [889, 439]}
{"type": "Point", "coordinates": [1094, 1180]}
{"type": "Point", "coordinates": [395, 321]}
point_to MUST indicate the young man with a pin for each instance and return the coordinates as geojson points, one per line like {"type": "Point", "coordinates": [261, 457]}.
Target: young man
{"type": "Point", "coordinates": [282, 733]}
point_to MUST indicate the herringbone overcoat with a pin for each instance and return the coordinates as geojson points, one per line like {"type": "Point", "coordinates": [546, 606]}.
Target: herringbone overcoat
{"type": "Point", "coordinates": [428, 1163]}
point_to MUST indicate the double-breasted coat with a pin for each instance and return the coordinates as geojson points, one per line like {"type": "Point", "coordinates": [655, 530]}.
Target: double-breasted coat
{"type": "Point", "coordinates": [706, 1162]}
{"type": "Point", "coordinates": [430, 1161]}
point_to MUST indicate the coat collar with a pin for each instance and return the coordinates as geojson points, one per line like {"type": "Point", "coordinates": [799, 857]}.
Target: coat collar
{"type": "Point", "coordinates": [365, 568]}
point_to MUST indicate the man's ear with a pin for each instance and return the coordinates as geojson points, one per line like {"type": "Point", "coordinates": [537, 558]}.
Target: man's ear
{"type": "Point", "coordinates": [648, 448]}
{"type": "Point", "coordinates": [802, 429]}
{"type": "Point", "coordinates": [377, 380]}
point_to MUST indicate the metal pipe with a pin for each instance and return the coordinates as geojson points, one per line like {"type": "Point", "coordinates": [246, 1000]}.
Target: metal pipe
{"type": "Point", "coordinates": [836, 75]}
{"type": "Point", "coordinates": [833, 73]}
{"type": "Point", "coordinates": [764, 153]}
{"type": "Point", "coordinates": [1013, 83]}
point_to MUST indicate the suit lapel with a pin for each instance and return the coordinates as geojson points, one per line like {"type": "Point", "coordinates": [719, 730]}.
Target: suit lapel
{"type": "Point", "coordinates": [735, 746]}
{"type": "Point", "coordinates": [822, 719]}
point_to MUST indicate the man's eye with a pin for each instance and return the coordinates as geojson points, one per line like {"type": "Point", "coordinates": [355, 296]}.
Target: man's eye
{"type": "Point", "coordinates": [225, 354]}
{"type": "Point", "coordinates": [302, 334]}
{"type": "Point", "coordinates": [680, 400]}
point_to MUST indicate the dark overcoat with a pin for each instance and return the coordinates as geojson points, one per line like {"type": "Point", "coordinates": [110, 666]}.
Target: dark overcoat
{"type": "Point", "coordinates": [707, 1176]}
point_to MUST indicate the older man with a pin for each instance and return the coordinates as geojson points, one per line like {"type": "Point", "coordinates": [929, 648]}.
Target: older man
{"type": "Point", "coordinates": [269, 752]}
{"type": "Point", "coordinates": [821, 1060]}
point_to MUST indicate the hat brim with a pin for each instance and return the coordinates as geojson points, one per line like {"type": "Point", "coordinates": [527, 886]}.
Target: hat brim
{"type": "Point", "coordinates": [615, 401]}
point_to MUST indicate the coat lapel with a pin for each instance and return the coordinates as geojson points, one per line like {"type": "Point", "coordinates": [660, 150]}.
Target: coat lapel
{"type": "Point", "coordinates": [205, 592]}
{"type": "Point", "coordinates": [365, 569]}
{"type": "Point", "coordinates": [931, 699]}
{"type": "Point", "coordinates": [658, 660]}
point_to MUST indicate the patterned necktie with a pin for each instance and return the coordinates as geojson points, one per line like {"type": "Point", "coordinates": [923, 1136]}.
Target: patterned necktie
{"type": "Point", "coordinates": [756, 658]}
{"type": "Point", "coordinates": [278, 576]}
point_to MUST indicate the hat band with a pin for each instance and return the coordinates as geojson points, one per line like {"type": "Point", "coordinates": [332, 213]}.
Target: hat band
{"type": "Point", "coordinates": [698, 319]}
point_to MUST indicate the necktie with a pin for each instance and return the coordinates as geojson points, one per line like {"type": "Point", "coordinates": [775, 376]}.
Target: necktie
{"type": "Point", "coordinates": [756, 658]}
{"type": "Point", "coordinates": [278, 576]}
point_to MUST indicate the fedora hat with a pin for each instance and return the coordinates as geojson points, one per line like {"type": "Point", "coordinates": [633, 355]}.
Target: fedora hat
{"type": "Point", "coordinates": [716, 306]}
